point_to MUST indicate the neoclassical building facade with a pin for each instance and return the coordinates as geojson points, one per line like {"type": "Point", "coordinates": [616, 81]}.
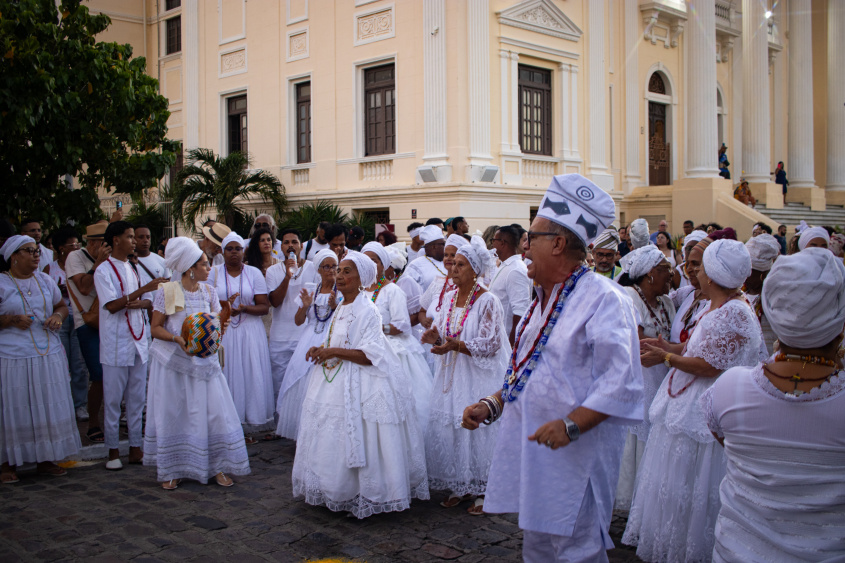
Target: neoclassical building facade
{"type": "Point", "coordinates": [407, 109]}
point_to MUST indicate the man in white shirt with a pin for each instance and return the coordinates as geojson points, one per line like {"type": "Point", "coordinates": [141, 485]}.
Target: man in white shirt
{"type": "Point", "coordinates": [284, 282]}
{"type": "Point", "coordinates": [510, 282]}
{"type": "Point", "coordinates": [149, 266]}
{"type": "Point", "coordinates": [415, 250]}
{"type": "Point", "coordinates": [427, 268]}
{"type": "Point", "coordinates": [123, 342]}
{"type": "Point", "coordinates": [213, 235]}
{"type": "Point", "coordinates": [316, 244]}
{"type": "Point", "coordinates": [32, 228]}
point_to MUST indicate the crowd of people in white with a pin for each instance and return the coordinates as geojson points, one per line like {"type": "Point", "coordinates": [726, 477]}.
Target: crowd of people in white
{"type": "Point", "coordinates": [557, 373]}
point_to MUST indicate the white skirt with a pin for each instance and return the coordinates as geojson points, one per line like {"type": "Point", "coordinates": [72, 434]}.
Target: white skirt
{"type": "Point", "coordinates": [419, 374]}
{"type": "Point", "coordinates": [37, 420]}
{"type": "Point", "coordinates": [676, 502]}
{"type": "Point", "coordinates": [247, 371]}
{"type": "Point", "coordinates": [395, 461]}
{"type": "Point", "coordinates": [193, 430]}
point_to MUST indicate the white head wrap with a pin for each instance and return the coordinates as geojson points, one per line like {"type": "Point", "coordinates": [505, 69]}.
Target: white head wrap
{"type": "Point", "coordinates": [456, 240]}
{"type": "Point", "coordinates": [232, 237]}
{"type": "Point", "coordinates": [810, 233]}
{"type": "Point", "coordinates": [579, 205]}
{"type": "Point", "coordinates": [477, 255]}
{"type": "Point", "coordinates": [366, 267]}
{"type": "Point", "coordinates": [13, 243]}
{"type": "Point", "coordinates": [763, 248]}
{"type": "Point", "coordinates": [801, 226]}
{"type": "Point", "coordinates": [180, 254]}
{"type": "Point", "coordinates": [727, 263]}
{"type": "Point", "coordinates": [378, 250]}
{"type": "Point", "coordinates": [398, 255]}
{"type": "Point", "coordinates": [639, 262]}
{"type": "Point", "coordinates": [413, 233]}
{"type": "Point", "coordinates": [431, 233]}
{"type": "Point", "coordinates": [695, 236]}
{"type": "Point", "coordinates": [638, 231]}
{"type": "Point", "coordinates": [804, 298]}
{"type": "Point", "coordinates": [609, 239]}
{"type": "Point", "coordinates": [323, 255]}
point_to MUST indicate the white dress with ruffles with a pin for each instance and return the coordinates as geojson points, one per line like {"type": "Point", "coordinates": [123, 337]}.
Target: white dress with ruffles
{"type": "Point", "coordinates": [193, 430]}
{"type": "Point", "coordinates": [359, 448]}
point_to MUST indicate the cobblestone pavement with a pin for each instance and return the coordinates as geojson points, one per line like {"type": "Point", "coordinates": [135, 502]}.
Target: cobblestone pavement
{"type": "Point", "coordinates": [94, 514]}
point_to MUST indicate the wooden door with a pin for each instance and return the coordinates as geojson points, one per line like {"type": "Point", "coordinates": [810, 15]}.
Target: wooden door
{"type": "Point", "coordinates": [658, 146]}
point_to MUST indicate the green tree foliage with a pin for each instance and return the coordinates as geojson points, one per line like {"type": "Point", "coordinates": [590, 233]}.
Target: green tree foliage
{"type": "Point", "coordinates": [225, 185]}
{"type": "Point", "coordinates": [152, 215]}
{"type": "Point", "coordinates": [72, 105]}
{"type": "Point", "coordinates": [308, 216]}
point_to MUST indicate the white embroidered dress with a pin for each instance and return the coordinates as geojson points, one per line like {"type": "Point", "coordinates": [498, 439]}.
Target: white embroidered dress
{"type": "Point", "coordinates": [677, 495]}
{"type": "Point", "coordinates": [193, 430]}
{"type": "Point", "coordinates": [359, 448]}
{"type": "Point", "coordinates": [459, 460]}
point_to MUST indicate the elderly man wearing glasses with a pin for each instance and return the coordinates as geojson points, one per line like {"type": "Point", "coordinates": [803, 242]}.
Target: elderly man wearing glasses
{"type": "Point", "coordinates": [265, 221]}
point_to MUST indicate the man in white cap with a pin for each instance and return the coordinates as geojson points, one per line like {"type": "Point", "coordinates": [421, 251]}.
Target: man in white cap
{"type": "Point", "coordinates": [428, 267]}
{"type": "Point", "coordinates": [764, 249]}
{"type": "Point", "coordinates": [604, 254]}
{"type": "Point", "coordinates": [562, 431]}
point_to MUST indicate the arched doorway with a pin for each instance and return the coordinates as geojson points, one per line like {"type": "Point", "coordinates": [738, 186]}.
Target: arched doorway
{"type": "Point", "coordinates": [659, 131]}
{"type": "Point", "coordinates": [721, 112]}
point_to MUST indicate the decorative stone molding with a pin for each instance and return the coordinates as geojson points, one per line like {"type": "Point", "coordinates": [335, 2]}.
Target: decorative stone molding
{"type": "Point", "coordinates": [233, 61]}
{"type": "Point", "coordinates": [374, 25]}
{"type": "Point", "coordinates": [298, 45]}
{"type": "Point", "coordinates": [723, 49]}
{"type": "Point", "coordinates": [664, 21]}
{"type": "Point", "coordinates": [540, 16]}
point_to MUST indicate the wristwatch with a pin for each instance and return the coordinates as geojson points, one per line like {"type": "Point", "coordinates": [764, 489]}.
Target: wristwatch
{"type": "Point", "coordinates": [666, 361]}
{"type": "Point", "coordinates": [572, 430]}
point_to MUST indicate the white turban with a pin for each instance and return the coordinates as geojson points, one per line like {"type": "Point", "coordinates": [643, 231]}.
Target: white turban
{"type": "Point", "coordinates": [579, 205]}
{"type": "Point", "coordinates": [811, 233]}
{"type": "Point", "coordinates": [456, 240]}
{"type": "Point", "coordinates": [609, 239]}
{"type": "Point", "coordinates": [801, 226]}
{"type": "Point", "coordinates": [366, 268]}
{"type": "Point", "coordinates": [763, 248]}
{"type": "Point", "coordinates": [638, 231]}
{"type": "Point", "coordinates": [180, 254]}
{"type": "Point", "coordinates": [695, 236]}
{"type": "Point", "coordinates": [324, 255]}
{"type": "Point", "coordinates": [639, 262]}
{"type": "Point", "coordinates": [13, 243]}
{"type": "Point", "coordinates": [477, 255]}
{"type": "Point", "coordinates": [398, 255]}
{"type": "Point", "coordinates": [413, 233]}
{"type": "Point", "coordinates": [231, 237]}
{"type": "Point", "coordinates": [431, 233]}
{"type": "Point", "coordinates": [804, 298]}
{"type": "Point", "coordinates": [727, 263]}
{"type": "Point", "coordinates": [378, 250]}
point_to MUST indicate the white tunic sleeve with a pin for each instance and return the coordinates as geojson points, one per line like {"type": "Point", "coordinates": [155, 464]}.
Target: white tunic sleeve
{"type": "Point", "coordinates": [398, 309]}
{"type": "Point", "coordinates": [727, 337]}
{"type": "Point", "coordinates": [491, 333]}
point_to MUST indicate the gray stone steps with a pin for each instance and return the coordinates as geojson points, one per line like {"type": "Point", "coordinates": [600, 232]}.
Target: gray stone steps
{"type": "Point", "coordinates": [792, 214]}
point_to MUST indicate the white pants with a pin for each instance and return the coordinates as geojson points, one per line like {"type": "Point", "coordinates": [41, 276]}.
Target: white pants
{"type": "Point", "coordinates": [280, 354]}
{"type": "Point", "coordinates": [127, 383]}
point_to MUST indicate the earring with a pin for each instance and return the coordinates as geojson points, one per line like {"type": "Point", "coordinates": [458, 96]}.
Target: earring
{"type": "Point", "coordinates": [192, 274]}
{"type": "Point", "coordinates": [651, 278]}
{"type": "Point", "coordinates": [360, 288]}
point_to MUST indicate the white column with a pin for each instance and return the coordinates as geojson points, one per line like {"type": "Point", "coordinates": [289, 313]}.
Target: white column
{"type": "Point", "coordinates": [190, 13]}
{"type": "Point", "coordinates": [702, 131]}
{"type": "Point", "coordinates": [735, 142]}
{"type": "Point", "coordinates": [800, 122]}
{"type": "Point", "coordinates": [597, 102]}
{"type": "Point", "coordinates": [632, 94]}
{"type": "Point", "coordinates": [563, 71]}
{"type": "Point", "coordinates": [835, 87]}
{"type": "Point", "coordinates": [779, 94]}
{"type": "Point", "coordinates": [756, 146]}
{"type": "Point", "coordinates": [478, 49]}
{"type": "Point", "coordinates": [434, 83]}
{"type": "Point", "coordinates": [514, 88]}
{"type": "Point", "coordinates": [504, 91]}
{"type": "Point", "coordinates": [573, 100]}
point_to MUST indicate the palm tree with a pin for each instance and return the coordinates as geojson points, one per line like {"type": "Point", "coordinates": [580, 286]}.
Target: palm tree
{"type": "Point", "coordinates": [224, 184]}
{"type": "Point", "coordinates": [307, 216]}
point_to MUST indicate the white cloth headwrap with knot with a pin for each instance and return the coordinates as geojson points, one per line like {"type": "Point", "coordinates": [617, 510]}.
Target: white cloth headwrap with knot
{"type": "Point", "coordinates": [727, 263]}
{"type": "Point", "coordinates": [477, 255]}
{"type": "Point", "coordinates": [415, 232]}
{"type": "Point", "coordinates": [810, 233]}
{"type": "Point", "coordinates": [695, 236]}
{"type": "Point", "coordinates": [457, 241]}
{"type": "Point", "coordinates": [231, 237]}
{"type": "Point", "coordinates": [180, 254]}
{"type": "Point", "coordinates": [366, 267]}
{"type": "Point", "coordinates": [378, 250]}
{"type": "Point", "coordinates": [431, 233]}
{"type": "Point", "coordinates": [13, 243]}
{"type": "Point", "coordinates": [801, 226]}
{"type": "Point", "coordinates": [763, 248]}
{"type": "Point", "coordinates": [323, 255]}
{"type": "Point", "coordinates": [804, 298]}
{"type": "Point", "coordinates": [638, 232]}
{"type": "Point", "coordinates": [398, 255]}
{"type": "Point", "coordinates": [639, 262]}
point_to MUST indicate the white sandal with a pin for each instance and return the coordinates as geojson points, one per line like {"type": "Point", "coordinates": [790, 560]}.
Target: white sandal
{"type": "Point", "coordinates": [478, 502]}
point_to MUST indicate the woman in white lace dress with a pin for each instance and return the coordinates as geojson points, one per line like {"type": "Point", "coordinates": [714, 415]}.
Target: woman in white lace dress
{"type": "Point", "coordinates": [359, 448]}
{"type": "Point", "coordinates": [781, 422]}
{"type": "Point", "coordinates": [396, 324]}
{"type": "Point", "coordinates": [677, 494]}
{"type": "Point", "coordinates": [469, 338]}
{"type": "Point", "coordinates": [193, 430]}
{"type": "Point", "coordinates": [314, 316]}
{"type": "Point", "coordinates": [689, 300]}
{"type": "Point", "coordinates": [647, 281]}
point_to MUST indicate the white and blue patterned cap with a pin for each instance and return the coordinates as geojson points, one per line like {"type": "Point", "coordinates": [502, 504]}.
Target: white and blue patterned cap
{"type": "Point", "coordinates": [579, 205]}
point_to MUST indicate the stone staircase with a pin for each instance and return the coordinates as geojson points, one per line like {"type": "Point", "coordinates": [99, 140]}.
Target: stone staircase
{"type": "Point", "coordinates": [793, 213]}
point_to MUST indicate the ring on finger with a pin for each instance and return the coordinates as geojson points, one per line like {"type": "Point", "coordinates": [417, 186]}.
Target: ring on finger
{"type": "Point", "coordinates": [549, 443]}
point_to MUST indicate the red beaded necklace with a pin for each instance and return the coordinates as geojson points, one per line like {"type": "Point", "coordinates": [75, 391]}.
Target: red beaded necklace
{"type": "Point", "coordinates": [123, 294]}
{"type": "Point", "coordinates": [467, 306]}
{"type": "Point", "coordinates": [514, 366]}
{"type": "Point", "coordinates": [447, 284]}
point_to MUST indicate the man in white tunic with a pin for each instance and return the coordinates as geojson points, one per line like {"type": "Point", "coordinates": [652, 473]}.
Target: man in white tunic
{"type": "Point", "coordinates": [429, 267]}
{"type": "Point", "coordinates": [585, 382]}
{"type": "Point", "coordinates": [510, 281]}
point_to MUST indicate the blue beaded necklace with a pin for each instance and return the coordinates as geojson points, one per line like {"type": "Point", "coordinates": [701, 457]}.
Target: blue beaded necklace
{"type": "Point", "coordinates": [515, 384]}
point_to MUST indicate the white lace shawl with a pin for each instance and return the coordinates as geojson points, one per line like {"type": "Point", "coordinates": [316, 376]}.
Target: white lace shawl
{"type": "Point", "coordinates": [483, 334]}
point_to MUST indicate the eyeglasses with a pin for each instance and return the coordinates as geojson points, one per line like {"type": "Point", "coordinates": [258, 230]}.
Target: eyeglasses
{"type": "Point", "coordinates": [539, 234]}
{"type": "Point", "coordinates": [328, 268]}
{"type": "Point", "coordinates": [33, 251]}
{"type": "Point", "coordinates": [71, 244]}
{"type": "Point", "coordinates": [260, 225]}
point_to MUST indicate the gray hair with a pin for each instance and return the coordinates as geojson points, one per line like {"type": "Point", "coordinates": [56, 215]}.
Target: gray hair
{"type": "Point", "coordinates": [271, 221]}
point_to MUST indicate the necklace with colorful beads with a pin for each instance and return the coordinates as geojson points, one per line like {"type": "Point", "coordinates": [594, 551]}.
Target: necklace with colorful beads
{"type": "Point", "coordinates": [435, 266]}
{"type": "Point", "coordinates": [381, 283]}
{"type": "Point", "coordinates": [514, 384]}
{"type": "Point", "coordinates": [320, 325]}
{"type": "Point", "coordinates": [664, 327]}
{"type": "Point", "coordinates": [467, 307]}
{"type": "Point", "coordinates": [447, 286]}
{"type": "Point", "coordinates": [327, 344]}
{"type": "Point", "coordinates": [25, 303]}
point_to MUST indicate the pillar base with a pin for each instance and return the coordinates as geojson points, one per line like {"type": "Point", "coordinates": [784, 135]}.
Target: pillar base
{"type": "Point", "coordinates": [704, 200]}
{"type": "Point", "coordinates": [834, 197]}
{"type": "Point", "coordinates": [813, 197]}
{"type": "Point", "coordinates": [768, 193]}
